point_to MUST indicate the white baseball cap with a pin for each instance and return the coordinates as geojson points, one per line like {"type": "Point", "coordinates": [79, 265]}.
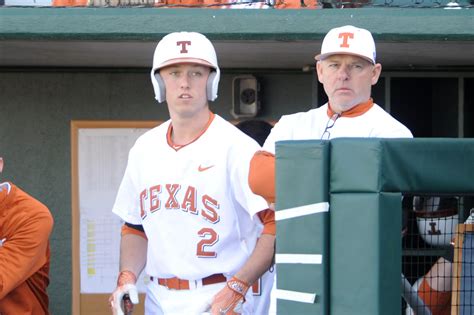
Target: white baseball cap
{"type": "Point", "coordinates": [348, 40]}
{"type": "Point", "coordinates": [185, 47]}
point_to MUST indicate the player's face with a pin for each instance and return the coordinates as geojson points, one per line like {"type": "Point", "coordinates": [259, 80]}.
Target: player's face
{"type": "Point", "coordinates": [347, 80]}
{"type": "Point", "coordinates": [186, 88]}
{"type": "Point", "coordinates": [1, 164]}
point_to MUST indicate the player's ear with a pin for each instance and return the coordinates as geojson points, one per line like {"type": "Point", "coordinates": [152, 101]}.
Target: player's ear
{"type": "Point", "coordinates": [377, 69]}
{"type": "Point", "coordinates": [319, 71]}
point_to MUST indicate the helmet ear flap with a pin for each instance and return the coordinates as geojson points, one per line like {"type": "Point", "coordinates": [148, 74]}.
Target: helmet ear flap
{"type": "Point", "coordinates": [210, 85]}
{"type": "Point", "coordinates": [161, 93]}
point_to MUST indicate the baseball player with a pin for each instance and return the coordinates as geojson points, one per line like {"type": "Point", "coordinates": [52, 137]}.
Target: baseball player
{"type": "Point", "coordinates": [189, 214]}
{"type": "Point", "coordinates": [261, 289]}
{"type": "Point", "coordinates": [347, 69]}
{"type": "Point", "coordinates": [435, 287]}
{"type": "Point", "coordinates": [25, 226]}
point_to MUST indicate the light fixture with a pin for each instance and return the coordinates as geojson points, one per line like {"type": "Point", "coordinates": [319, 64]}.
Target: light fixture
{"type": "Point", "coordinates": [245, 96]}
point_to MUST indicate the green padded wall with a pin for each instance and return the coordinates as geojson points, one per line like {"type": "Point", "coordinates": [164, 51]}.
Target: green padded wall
{"type": "Point", "coordinates": [302, 180]}
{"type": "Point", "coordinates": [416, 165]}
{"type": "Point", "coordinates": [363, 180]}
{"type": "Point", "coordinates": [366, 178]}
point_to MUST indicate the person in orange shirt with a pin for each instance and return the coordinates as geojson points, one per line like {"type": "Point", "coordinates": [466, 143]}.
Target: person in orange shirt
{"type": "Point", "coordinates": [25, 227]}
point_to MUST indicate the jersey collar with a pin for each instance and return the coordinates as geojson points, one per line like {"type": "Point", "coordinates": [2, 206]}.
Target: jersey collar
{"type": "Point", "coordinates": [355, 111]}
{"type": "Point", "coordinates": [177, 147]}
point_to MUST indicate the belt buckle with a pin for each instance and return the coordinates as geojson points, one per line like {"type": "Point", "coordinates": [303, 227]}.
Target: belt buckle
{"type": "Point", "coordinates": [183, 284]}
{"type": "Point", "coordinates": [179, 284]}
{"type": "Point", "coordinates": [173, 283]}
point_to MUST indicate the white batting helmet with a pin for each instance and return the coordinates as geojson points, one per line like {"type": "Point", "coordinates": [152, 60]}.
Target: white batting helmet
{"type": "Point", "coordinates": [436, 218]}
{"type": "Point", "coordinates": [184, 47]}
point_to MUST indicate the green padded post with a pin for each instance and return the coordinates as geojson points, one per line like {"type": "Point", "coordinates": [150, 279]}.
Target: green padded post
{"type": "Point", "coordinates": [365, 241]}
{"type": "Point", "coordinates": [365, 253]}
{"type": "Point", "coordinates": [301, 180]}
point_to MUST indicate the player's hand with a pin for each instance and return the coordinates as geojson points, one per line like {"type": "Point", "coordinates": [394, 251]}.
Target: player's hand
{"type": "Point", "coordinates": [125, 295]}
{"type": "Point", "coordinates": [230, 299]}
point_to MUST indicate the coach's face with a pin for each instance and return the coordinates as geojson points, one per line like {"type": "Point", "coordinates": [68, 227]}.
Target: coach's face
{"type": "Point", "coordinates": [186, 88]}
{"type": "Point", "coordinates": [347, 80]}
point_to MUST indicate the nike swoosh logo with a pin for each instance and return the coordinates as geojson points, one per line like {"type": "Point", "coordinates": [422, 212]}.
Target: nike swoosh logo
{"type": "Point", "coordinates": [202, 169]}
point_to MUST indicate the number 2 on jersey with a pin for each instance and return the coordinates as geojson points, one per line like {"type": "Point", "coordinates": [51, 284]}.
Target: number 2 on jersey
{"type": "Point", "coordinates": [209, 238]}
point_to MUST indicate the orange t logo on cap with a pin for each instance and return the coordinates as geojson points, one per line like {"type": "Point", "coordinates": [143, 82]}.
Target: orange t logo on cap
{"type": "Point", "coordinates": [183, 44]}
{"type": "Point", "coordinates": [345, 37]}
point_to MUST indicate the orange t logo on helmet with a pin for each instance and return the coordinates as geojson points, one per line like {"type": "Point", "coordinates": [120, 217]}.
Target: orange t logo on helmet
{"type": "Point", "coordinates": [345, 37]}
{"type": "Point", "coordinates": [183, 46]}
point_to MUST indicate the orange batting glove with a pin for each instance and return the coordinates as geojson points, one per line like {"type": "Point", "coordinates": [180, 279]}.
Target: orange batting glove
{"type": "Point", "coordinates": [230, 299]}
{"type": "Point", "coordinates": [126, 293]}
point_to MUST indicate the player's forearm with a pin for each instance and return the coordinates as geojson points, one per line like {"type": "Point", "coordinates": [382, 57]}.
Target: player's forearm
{"type": "Point", "coordinates": [260, 260]}
{"type": "Point", "coordinates": [133, 250]}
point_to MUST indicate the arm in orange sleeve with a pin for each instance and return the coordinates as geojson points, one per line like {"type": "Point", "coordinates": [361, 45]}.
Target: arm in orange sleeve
{"type": "Point", "coordinates": [268, 220]}
{"type": "Point", "coordinates": [133, 229]}
{"type": "Point", "coordinates": [439, 302]}
{"type": "Point", "coordinates": [26, 228]}
{"type": "Point", "coordinates": [262, 175]}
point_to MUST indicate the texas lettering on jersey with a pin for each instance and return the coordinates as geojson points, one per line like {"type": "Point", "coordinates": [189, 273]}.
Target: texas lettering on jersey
{"type": "Point", "coordinates": [166, 198]}
{"type": "Point", "coordinates": [153, 199]}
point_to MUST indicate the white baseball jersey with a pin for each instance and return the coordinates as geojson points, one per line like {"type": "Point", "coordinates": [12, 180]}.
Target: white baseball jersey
{"type": "Point", "coordinates": [374, 123]}
{"type": "Point", "coordinates": [194, 202]}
